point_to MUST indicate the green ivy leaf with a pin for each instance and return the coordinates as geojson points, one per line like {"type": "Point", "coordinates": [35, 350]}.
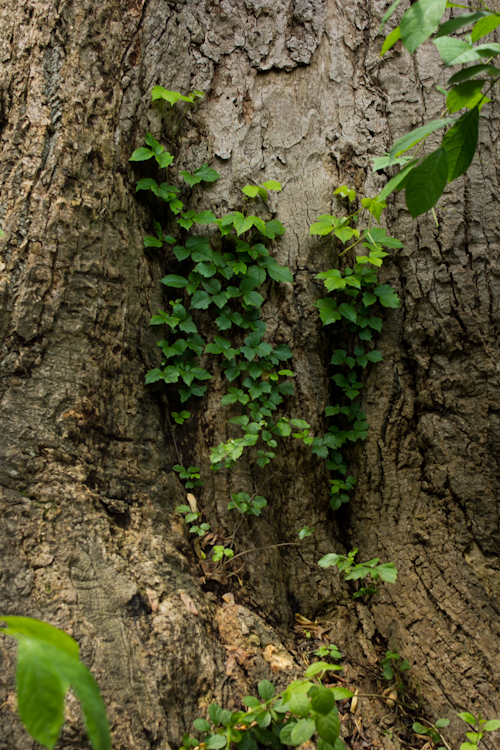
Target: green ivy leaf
{"type": "Point", "coordinates": [387, 572]}
{"type": "Point", "coordinates": [178, 282]}
{"type": "Point", "coordinates": [141, 154]}
{"type": "Point", "coordinates": [328, 310]}
{"type": "Point", "coordinates": [251, 191]}
{"type": "Point", "coordinates": [272, 185]}
{"type": "Point", "coordinates": [273, 228]}
{"type": "Point", "coordinates": [375, 206]}
{"type": "Point", "coordinates": [152, 242]}
{"type": "Point", "coordinates": [254, 299]}
{"type": "Point", "coordinates": [387, 296]}
{"type": "Point", "coordinates": [347, 311]}
{"type": "Point", "coordinates": [164, 160]}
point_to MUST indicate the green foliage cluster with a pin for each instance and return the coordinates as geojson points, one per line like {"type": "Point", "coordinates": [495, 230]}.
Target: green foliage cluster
{"type": "Point", "coordinates": [228, 274]}
{"type": "Point", "coordinates": [372, 570]}
{"type": "Point", "coordinates": [354, 299]}
{"type": "Point", "coordinates": [305, 708]}
{"type": "Point", "coordinates": [424, 177]}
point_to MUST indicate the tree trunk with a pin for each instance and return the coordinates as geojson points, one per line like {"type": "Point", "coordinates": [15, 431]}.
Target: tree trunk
{"type": "Point", "coordinates": [91, 541]}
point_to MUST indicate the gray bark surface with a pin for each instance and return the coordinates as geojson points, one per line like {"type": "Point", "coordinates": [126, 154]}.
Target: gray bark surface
{"type": "Point", "coordinates": [90, 539]}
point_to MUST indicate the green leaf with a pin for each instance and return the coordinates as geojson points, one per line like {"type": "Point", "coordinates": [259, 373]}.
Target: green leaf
{"type": "Point", "coordinates": [299, 704]}
{"type": "Point", "coordinates": [285, 734]}
{"type": "Point", "coordinates": [328, 560]}
{"type": "Point", "coordinates": [206, 173]}
{"type": "Point", "coordinates": [215, 712]}
{"type": "Point", "coordinates": [472, 72]}
{"type": "Point", "coordinates": [389, 13]}
{"type": "Point", "coordinates": [460, 143]}
{"type": "Point", "coordinates": [322, 699]}
{"type": "Point", "coordinates": [341, 693]}
{"type": "Point", "coordinates": [42, 631]}
{"type": "Point", "coordinates": [87, 692]}
{"type": "Point", "coordinates": [459, 22]}
{"type": "Point", "coordinates": [152, 242]}
{"type": "Point", "coordinates": [44, 672]}
{"type": "Point", "coordinates": [420, 21]}
{"type": "Point", "coordinates": [273, 228]}
{"type": "Point", "coordinates": [242, 223]}
{"type": "Point", "coordinates": [201, 725]}
{"type": "Point", "coordinates": [205, 217]}
{"type": "Point", "coordinates": [387, 296]}
{"type": "Point", "coordinates": [396, 182]}
{"type": "Point", "coordinates": [323, 226]}
{"type": "Point", "coordinates": [272, 185]}
{"type": "Point", "coordinates": [444, 723]}
{"type": "Point", "coordinates": [456, 52]}
{"type": "Point", "coordinates": [176, 206]}
{"type": "Point", "coordinates": [164, 160]}
{"type": "Point", "coordinates": [178, 282]}
{"type": "Point", "coordinates": [319, 666]}
{"type": "Point", "coordinates": [266, 690]}
{"type": "Point", "coordinates": [328, 726]}
{"type": "Point", "coordinates": [146, 184]}
{"type": "Point", "coordinates": [328, 310]}
{"type": "Point", "coordinates": [494, 724]}
{"type": "Point", "coordinates": [348, 312]}
{"type": "Point", "coordinates": [427, 182]}
{"type": "Point", "coordinates": [254, 299]}
{"type": "Point", "coordinates": [40, 691]}
{"type": "Point", "coordinates": [466, 94]}
{"type": "Point", "coordinates": [375, 206]}
{"type": "Point", "coordinates": [387, 572]}
{"type": "Point", "coordinates": [141, 154]}
{"type": "Point", "coordinates": [302, 731]}
{"type": "Point", "coordinates": [250, 190]}
{"type": "Point", "coordinates": [391, 40]}
{"type": "Point", "coordinates": [216, 742]}
{"type": "Point", "coordinates": [484, 26]}
{"type": "Point", "coordinates": [468, 717]}
{"type": "Point", "coordinates": [413, 137]}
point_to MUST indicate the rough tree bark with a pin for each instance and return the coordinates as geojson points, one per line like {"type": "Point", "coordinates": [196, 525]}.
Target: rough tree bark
{"type": "Point", "coordinates": [89, 536]}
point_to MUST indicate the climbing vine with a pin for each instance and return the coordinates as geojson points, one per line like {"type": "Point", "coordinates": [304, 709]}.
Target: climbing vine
{"type": "Point", "coordinates": [228, 274]}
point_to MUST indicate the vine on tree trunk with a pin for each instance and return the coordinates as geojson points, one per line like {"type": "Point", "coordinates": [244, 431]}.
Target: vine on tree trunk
{"type": "Point", "coordinates": [228, 274]}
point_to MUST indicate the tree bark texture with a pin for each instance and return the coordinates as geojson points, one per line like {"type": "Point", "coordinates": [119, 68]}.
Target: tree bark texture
{"type": "Point", "coordinates": [90, 540]}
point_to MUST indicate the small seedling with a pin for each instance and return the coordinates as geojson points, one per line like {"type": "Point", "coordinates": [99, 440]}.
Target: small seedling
{"type": "Point", "coordinates": [180, 418]}
{"type": "Point", "coordinates": [393, 664]}
{"type": "Point", "coordinates": [305, 531]}
{"type": "Point", "coordinates": [192, 475]}
{"type": "Point", "coordinates": [219, 551]}
{"type": "Point", "coordinates": [331, 651]}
